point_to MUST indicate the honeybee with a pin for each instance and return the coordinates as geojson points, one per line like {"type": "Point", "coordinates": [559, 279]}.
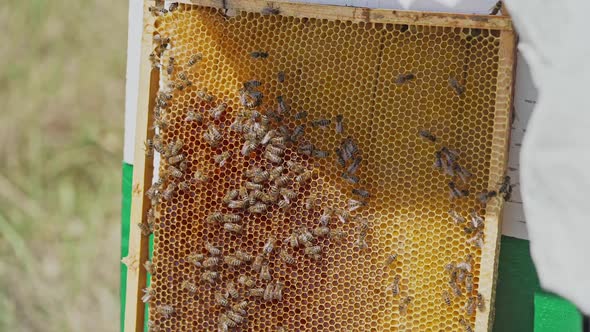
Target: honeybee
{"type": "Point", "coordinates": [148, 267]}
{"type": "Point", "coordinates": [183, 186]}
{"type": "Point", "coordinates": [232, 260]}
{"type": "Point", "coordinates": [258, 55]}
{"type": "Point", "coordinates": [496, 9]}
{"type": "Point", "coordinates": [320, 153]}
{"type": "Point", "coordinates": [257, 264]}
{"type": "Point", "coordinates": [204, 96]}
{"type": "Point", "coordinates": [198, 57]}
{"type": "Point", "coordinates": [158, 145]}
{"type": "Point", "coordinates": [239, 204]}
{"type": "Point", "coordinates": [221, 299]}
{"type": "Point", "coordinates": [470, 306]}
{"type": "Point", "coordinates": [427, 135]}
{"type": "Point", "coordinates": [200, 177]}
{"type": "Point", "coordinates": [469, 283]}
{"type": "Point", "coordinates": [253, 186]}
{"type": "Point", "coordinates": [189, 287]}
{"type": "Point", "coordinates": [195, 259]}
{"type": "Point", "coordinates": [297, 132]}
{"type": "Point", "coordinates": [301, 115]}
{"type": "Point", "coordinates": [153, 191]}
{"type": "Point", "coordinates": [176, 159]}
{"type": "Point", "coordinates": [354, 204]}
{"type": "Point", "coordinates": [233, 228]}
{"type": "Point", "coordinates": [235, 316]}
{"type": "Point", "coordinates": [321, 123]}
{"type": "Point", "coordinates": [284, 204]}
{"type": "Point", "coordinates": [353, 179]}
{"type": "Point", "coordinates": [213, 250]}
{"type": "Point", "coordinates": [456, 216]}
{"type": "Point", "coordinates": [446, 297]}
{"type": "Point", "coordinates": [269, 246]}
{"type": "Point", "coordinates": [438, 160]}
{"type": "Point", "coordinates": [293, 240]}
{"type": "Point", "coordinates": [394, 287]}
{"type": "Point", "coordinates": [390, 259]}
{"type": "Point", "coordinates": [465, 324]}
{"type": "Point", "coordinates": [268, 10]}
{"type": "Point", "coordinates": [212, 135]}
{"type": "Point", "coordinates": [145, 229]}
{"type": "Point", "coordinates": [286, 257]}
{"type": "Point", "coordinates": [456, 192]}
{"type": "Point", "coordinates": [353, 167]}
{"type": "Point", "coordinates": [161, 123]}
{"type": "Point", "coordinates": [232, 290]}
{"type": "Point", "coordinates": [506, 188]}
{"type": "Point", "coordinates": [288, 194]}
{"type": "Point", "coordinates": [404, 78]}
{"type": "Point", "coordinates": [350, 147]}
{"type": "Point", "coordinates": [246, 281]}
{"type": "Point", "coordinates": [154, 60]}
{"type": "Point", "coordinates": [265, 273]}
{"type": "Point", "coordinates": [361, 192]}
{"type": "Point", "coordinates": [404, 303]}
{"type": "Point", "coordinates": [240, 307]}
{"type": "Point", "coordinates": [169, 191]}
{"type": "Point", "coordinates": [248, 147]}
{"type": "Point", "coordinates": [337, 234]}
{"type": "Point", "coordinates": [313, 250]}
{"type": "Point", "coordinates": [273, 158]}
{"type": "Point", "coordinates": [173, 6]}
{"type": "Point", "coordinates": [454, 84]}
{"type": "Point", "coordinates": [230, 195]}
{"type": "Point", "coordinates": [310, 202]}
{"type": "Point", "coordinates": [222, 158]}
{"type": "Point", "coordinates": [225, 323]}
{"type": "Point", "coordinates": [211, 262]}
{"type": "Point", "coordinates": [256, 292]}
{"type": "Point", "coordinates": [465, 266]}
{"type": "Point", "coordinates": [476, 220]}
{"type": "Point", "coordinates": [306, 149]}
{"type": "Point", "coordinates": [165, 310]}
{"type": "Point", "coordinates": [481, 304]}
{"type": "Point", "coordinates": [149, 147]}
{"type": "Point", "coordinates": [170, 68]}
{"type": "Point", "coordinates": [257, 208]}
{"type": "Point", "coordinates": [157, 11]}
{"type": "Point", "coordinates": [304, 177]}
{"type": "Point", "coordinates": [210, 276]}
{"type": "Point", "coordinates": [305, 236]}
{"type": "Point", "coordinates": [192, 115]}
{"type": "Point", "coordinates": [477, 240]}
{"type": "Point", "coordinates": [455, 288]}
{"type": "Point", "coordinates": [152, 327]}
{"type": "Point", "coordinates": [175, 172]}
{"type": "Point", "coordinates": [217, 111]}
{"type": "Point", "coordinates": [321, 231]}
{"type": "Point", "coordinates": [148, 293]}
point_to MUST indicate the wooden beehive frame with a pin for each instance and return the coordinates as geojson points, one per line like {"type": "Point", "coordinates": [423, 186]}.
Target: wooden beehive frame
{"type": "Point", "coordinates": [148, 87]}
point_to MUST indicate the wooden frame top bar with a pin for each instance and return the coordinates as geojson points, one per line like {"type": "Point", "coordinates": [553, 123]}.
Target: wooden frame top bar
{"type": "Point", "coordinates": [360, 14]}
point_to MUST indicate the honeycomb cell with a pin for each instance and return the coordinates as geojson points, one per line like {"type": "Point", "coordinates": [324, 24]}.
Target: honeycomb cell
{"type": "Point", "coordinates": [331, 67]}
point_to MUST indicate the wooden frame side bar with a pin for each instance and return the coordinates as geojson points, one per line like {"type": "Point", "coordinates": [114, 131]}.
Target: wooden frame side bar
{"type": "Point", "coordinates": [359, 14]}
{"type": "Point", "coordinates": [142, 179]}
{"type": "Point", "coordinates": [498, 162]}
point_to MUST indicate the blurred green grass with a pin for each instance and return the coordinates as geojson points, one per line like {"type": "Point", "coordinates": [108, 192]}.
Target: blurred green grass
{"type": "Point", "coordinates": [62, 72]}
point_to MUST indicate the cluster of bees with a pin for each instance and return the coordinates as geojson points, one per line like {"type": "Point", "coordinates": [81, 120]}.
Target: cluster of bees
{"type": "Point", "coordinates": [460, 274]}
{"type": "Point", "coordinates": [276, 185]}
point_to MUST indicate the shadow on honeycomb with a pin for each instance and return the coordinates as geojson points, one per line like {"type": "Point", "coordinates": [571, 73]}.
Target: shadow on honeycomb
{"type": "Point", "coordinates": [330, 68]}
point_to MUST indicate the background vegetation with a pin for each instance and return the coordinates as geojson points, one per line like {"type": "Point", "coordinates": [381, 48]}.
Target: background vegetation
{"type": "Point", "coordinates": [62, 71]}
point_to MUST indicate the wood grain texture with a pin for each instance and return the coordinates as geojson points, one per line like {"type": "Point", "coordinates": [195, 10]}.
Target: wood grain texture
{"type": "Point", "coordinates": [142, 177]}
{"type": "Point", "coordinates": [498, 163]}
{"type": "Point", "coordinates": [360, 14]}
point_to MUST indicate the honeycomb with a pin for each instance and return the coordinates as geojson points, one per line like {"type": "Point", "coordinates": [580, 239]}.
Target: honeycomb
{"type": "Point", "coordinates": [331, 67]}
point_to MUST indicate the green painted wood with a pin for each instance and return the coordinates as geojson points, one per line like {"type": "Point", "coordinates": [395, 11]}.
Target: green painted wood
{"type": "Point", "coordinates": [553, 313]}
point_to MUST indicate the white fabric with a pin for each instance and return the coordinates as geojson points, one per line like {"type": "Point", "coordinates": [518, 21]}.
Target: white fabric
{"type": "Point", "coordinates": [555, 155]}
